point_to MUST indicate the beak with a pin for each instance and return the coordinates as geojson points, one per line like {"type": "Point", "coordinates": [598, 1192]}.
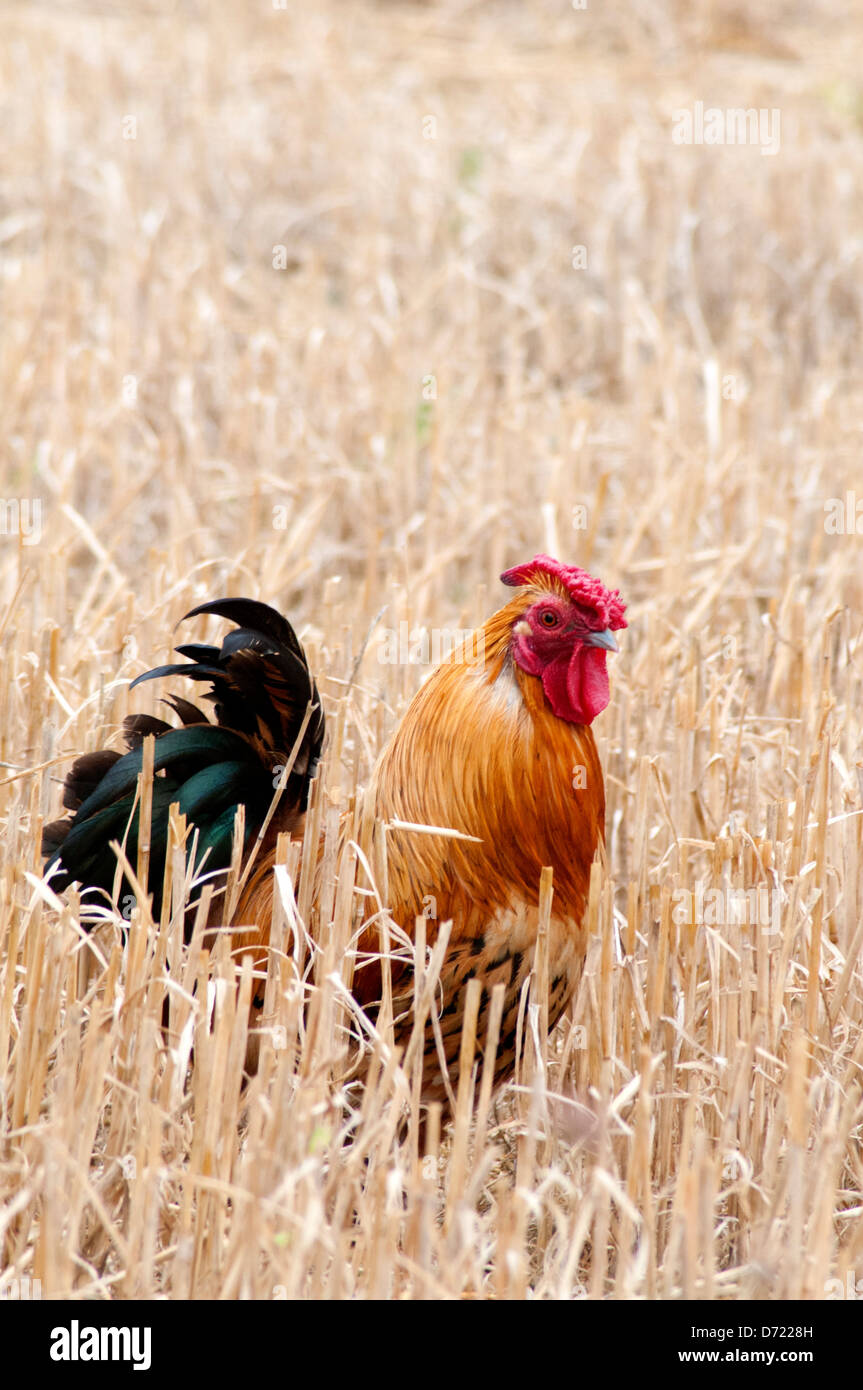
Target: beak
{"type": "Point", "coordinates": [605, 639]}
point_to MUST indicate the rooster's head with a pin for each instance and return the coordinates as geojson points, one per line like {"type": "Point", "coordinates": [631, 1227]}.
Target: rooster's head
{"type": "Point", "coordinates": [563, 632]}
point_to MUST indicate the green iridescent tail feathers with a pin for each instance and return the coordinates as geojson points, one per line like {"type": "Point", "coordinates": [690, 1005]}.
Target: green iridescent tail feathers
{"type": "Point", "coordinates": [261, 690]}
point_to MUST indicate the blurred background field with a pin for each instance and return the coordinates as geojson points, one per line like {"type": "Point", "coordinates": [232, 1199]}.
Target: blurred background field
{"type": "Point", "coordinates": [348, 306]}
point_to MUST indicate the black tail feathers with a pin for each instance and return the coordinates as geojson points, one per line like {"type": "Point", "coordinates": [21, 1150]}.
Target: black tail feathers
{"type": "Point", "coordinates": [263, 693]}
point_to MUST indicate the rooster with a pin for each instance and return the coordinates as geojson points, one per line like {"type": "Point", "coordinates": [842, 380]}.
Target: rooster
{"type": "Point", "coordinates": [495, 751]}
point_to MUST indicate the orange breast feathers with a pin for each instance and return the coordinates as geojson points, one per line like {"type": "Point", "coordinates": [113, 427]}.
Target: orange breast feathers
{"type": "Point", "coordinates": [481, 751]}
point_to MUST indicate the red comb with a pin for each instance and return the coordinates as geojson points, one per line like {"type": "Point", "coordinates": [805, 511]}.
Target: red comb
{"type": "Point", "coordinates": [581, 587]}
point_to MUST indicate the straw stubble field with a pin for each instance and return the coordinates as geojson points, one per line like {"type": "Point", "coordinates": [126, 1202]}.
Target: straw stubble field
{"type": "Point", "coordinates": [347, 307]}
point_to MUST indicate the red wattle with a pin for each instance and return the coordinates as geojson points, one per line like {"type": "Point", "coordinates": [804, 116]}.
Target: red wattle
{"type": "Point", "coordinates": [577, 689]}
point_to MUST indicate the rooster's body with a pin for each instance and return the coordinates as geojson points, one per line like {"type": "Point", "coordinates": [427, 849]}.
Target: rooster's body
{"type": "Point", "coordinates": [496, 746]}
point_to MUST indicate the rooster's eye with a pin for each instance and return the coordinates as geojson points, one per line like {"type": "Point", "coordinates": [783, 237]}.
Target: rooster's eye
{"type": "Point", "coordinates": [549, 618]}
